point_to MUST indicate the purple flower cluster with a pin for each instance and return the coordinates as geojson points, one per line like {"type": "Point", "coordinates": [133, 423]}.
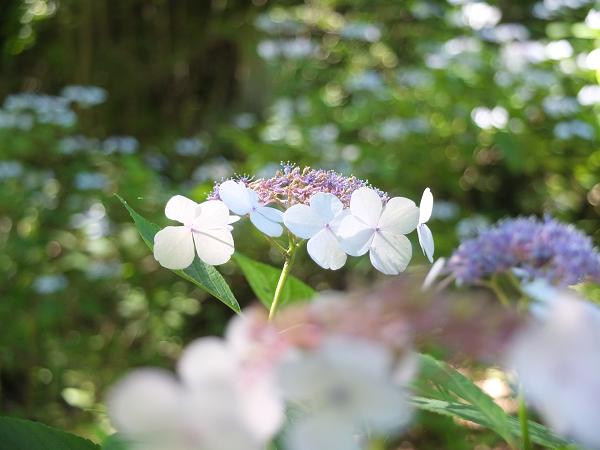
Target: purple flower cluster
{"type": "Point", "coordinates": [548, 249]}
{"type": "Point", "coordinates": [292, 185]}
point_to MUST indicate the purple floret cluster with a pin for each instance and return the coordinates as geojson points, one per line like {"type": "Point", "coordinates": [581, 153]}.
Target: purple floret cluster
{"type": "Point", "coordinates": [292, 185]}
{"type": "Point", "coordinates": [548, 249]}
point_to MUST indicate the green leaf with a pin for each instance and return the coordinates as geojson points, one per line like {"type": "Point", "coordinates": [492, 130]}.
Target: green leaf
{"type": "Point", "coordinates": [114, 442]}
{"type": "Point", "coordinates": [539, 434]}
{"type": "Point", "coordinates": [19, 434]}
{"type": "Point", "coordinates": [263, 281]}
{"type": "Point", "coordinates": [202, 275]}
{"type": "Point", "coordinates": [449, 384]}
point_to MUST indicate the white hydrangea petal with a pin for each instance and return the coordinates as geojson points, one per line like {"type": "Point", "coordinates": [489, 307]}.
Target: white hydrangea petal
{"type": "Point", "coordinates": [373, 359]}
{"type": "Point", "coordinates": [181, 209]}
{"type": "Point", "coordinates": [234, 194]}
{"type": "Point", "coordinates": [174, 247]}
{"type": "Point", "coordinates": [272, 214]}
{"type": "Point", "coordinates": [400, 216]}
{"type": "Point", "coordinates": [214, 247]}
{"type": "Point", "coordinates": [426, 241]}
{"type": "Point", "coordinates": [326, 205]}
{"type": "Point", "coordinates": [204, 360]}
{"type": "Point", "coordinates": [145, 400]}
{"type": "Point", "coordinates": [321, 432]}
{"type": "Point", "coordinates": [214, 214]}
{"type": "Point", "coordinates": [303, 221]}
{"type": "Point", "coordinates": [366, 205]}
{"type": "Point", "coordinates": [265, 225]}
{"type": "Point", "coordinates": [386, 407]}
{"type": "Point", "coordinates": [324, 249]}
{"type": "Point", "coordinates": [263, 396]}
{"type": "Point", "coordinates": [426, 206]}
{"type": "Point", "coordinates": [433, 273]}
{"type": "Point", "coordinates": [253, 196]}
{"type": "Point", "coordinates": [355, 237]}
{"type": "Point", "coordinates": [390, 253]}
{"type": "Point", "coordinates": [233, 219]}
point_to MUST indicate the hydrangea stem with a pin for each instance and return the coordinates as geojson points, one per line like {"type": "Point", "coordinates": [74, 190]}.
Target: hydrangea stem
{"type": "Point", "coordinates": [285, 272]}
{"type": "Point", "coordinates": [524, 421]}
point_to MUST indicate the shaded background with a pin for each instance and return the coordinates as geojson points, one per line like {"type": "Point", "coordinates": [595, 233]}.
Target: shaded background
{"type": "Point", "coordinates": [492, 105]}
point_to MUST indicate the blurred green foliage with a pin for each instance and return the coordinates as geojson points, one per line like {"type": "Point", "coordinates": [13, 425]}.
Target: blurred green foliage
{"type": "Point", "coordinates": [494, 106]}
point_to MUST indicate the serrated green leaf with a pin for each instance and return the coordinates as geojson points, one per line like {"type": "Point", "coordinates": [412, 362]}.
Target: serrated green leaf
{"type": "Point", "coordinates": [539, 434]}
{"type": "Point", "coordinates": [202, 275]}
{"type": "Point", "coordinates": [20, 434]}
{"type": "Point", "coordinates": [448, 383]}
{"type": "Point", "coordinates": [263, 281]}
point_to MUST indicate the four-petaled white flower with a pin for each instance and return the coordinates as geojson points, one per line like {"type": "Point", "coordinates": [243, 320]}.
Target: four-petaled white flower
{"type": "Point", "coordinates": [206, 226]}
{"type": "Point", "coordinates": [379, 230]}
{"type": "Point", "coordinates": [425, 236]}
{"type": "Point", "coordinates": [242, 200]}
{"type": "Point", "coordinates": [212, 405]}
{"type": "Point", "coordinates": [345, 390]}
{"type": "Point", "coordinates": [318, 223]}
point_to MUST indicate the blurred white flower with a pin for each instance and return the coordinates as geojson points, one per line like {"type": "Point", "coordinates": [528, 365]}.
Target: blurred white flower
{"type": "Point", "coordinates": [478, 15]}
{"type": "Point", "coordinates": [344, 390]}
{"type": "Point", "coordinates": [423, 231]}
{"type": "Point", "coordinates": [242, 200]}
{"type": "Point", "coordinates": [589, 95]}
{"type": "Point", "coordinates": [212, 405]}
{"type": "Point", "coordinates": [206, 226]}
{"type": "Point", "coordinates": [592, 19]}
{"type": "Point", "coordinates": [486, 118]}
{"type": "Point", "coordinates": [574, 129]}
{"type": "Point", "coordinates": [379, 230]}
{"type": "Point", "coordinates": [319, 223]}
{"type": "Point", "coordinates": [557, 360]}
{"type": "Point", "coordinates": [559, 49]}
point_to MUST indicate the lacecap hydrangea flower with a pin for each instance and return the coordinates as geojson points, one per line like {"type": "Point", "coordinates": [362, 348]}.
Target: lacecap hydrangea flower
{"type": "Point", "coordinates": [338, 215]}
{"type": "Point", "coordinates": [531, 248]}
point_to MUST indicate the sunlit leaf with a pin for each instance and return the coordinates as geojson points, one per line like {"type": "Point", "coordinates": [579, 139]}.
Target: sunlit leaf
{"type": "Point", "coordinates": [263, 281]}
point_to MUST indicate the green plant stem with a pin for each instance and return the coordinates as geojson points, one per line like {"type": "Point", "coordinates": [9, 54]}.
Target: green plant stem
{"type": "Point", "coordinates": [285, 272]}
{"type": "Point", "coordinates": [524, 421]}
{"type": "Point", "coordinates": [276, 244]}
{"type": "Point", "coordinates": [494, 286]}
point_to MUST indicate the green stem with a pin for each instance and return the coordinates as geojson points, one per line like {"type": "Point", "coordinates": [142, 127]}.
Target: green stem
{"type": "Point", "coordinates": [285, 272]}
{"type": "Point", "coordinates": [494, 286]}
{"type": "Point", "coordinates": [523, 420]}
{"type": "Point", "coordinates": [276, 244]}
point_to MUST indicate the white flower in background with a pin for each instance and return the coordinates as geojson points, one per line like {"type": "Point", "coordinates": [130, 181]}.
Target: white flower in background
{"type": "Point", "coordinates": [206, 226]}
{"type": "Point", "coordinates": [425, 236]}
{"type": "Point", "coordinates": [213, 405]}
{"type": "Point", "coordinates": [318, 223]}
{"type": "Point", "coordinates": [242, 201]}
{"type": "Point", "coordinates": [434, 272]}
{"type": "Point", "coordinates": [379, 230]}
{"type": "Point", "coordinates": [557, 360]}
{"type": "Point", "coordinates": [344, 390]}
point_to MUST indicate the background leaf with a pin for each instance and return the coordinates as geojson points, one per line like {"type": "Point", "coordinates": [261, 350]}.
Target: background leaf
{"type": "Point", "coordinates": [263, 281]}
{"type": "Point", "coordinates": [202, 275]}
{"type": "Point", "coordinates": [114, 442]}
{"type": "Point", "coordinates": [448, 392]}
{"type": "Point", "coordinates": [446, 383]}
{"type": "Point", "coordinates": [19, 434]}
{"type": "Point", "coordinates": [539, 434]}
